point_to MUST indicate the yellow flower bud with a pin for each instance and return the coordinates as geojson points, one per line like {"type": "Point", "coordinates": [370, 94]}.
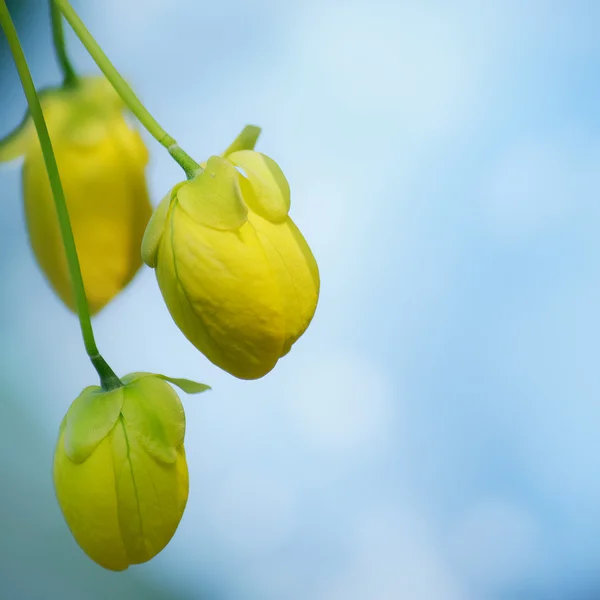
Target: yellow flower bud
{"type": "Point", "coordinates": [235, 272]}
{"type": "Point", "coordinates": [101, 161]}
{"type": "Point", "coordinates": [120, 472]}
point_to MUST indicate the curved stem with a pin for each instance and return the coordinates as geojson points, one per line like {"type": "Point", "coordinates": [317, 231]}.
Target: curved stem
{"type": "Point", "coordinates": [108, 378]}
{"type": "Point", "coordinates": [58, 37]}
{"type": "Point", "coordinates": [190, 166]}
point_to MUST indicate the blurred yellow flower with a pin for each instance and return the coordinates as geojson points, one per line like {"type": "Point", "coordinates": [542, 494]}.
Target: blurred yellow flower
{"type": "Point", "coordinates": [101, 161]}
{"type": "Point", "coordinates": [120, 472]}
{"type": "Point", "coordinates": [235, 272]}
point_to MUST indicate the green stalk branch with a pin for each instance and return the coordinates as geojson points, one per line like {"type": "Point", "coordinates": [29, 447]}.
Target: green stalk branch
{"type": "Point", "coordinates": [108, 378]}
{"type": "Point", "coordinates": [190, 167]}
{"type": "Point", "coordinates": [58, 37]}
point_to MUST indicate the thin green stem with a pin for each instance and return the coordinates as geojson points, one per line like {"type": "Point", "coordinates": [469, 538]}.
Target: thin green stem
{"type": "Point", "coordinates": [190, 166]}
{"type": "Point", "coordinates": [108, 378]}
{"type": "Point", "coordinates": [58, 37]}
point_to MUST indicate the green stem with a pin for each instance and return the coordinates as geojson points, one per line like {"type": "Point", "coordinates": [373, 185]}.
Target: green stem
{"type": "Point", "coordinates": [108, 378]}
{"type": "Point", "coordinates": [190, 166]}
{"type": "Point", "coordinates": [58, 37]}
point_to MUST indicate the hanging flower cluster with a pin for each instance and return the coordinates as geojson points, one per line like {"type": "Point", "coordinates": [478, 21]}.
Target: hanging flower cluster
{"type": "Point", "coordinates": [235, 272]}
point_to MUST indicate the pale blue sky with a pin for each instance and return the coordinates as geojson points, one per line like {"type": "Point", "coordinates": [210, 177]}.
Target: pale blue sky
{"type": "Point", "coordinates": [434, 435]}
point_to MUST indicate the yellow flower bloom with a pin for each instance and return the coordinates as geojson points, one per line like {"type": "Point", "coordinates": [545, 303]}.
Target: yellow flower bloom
{"type": "Point", "coordinates": [120, 472]}
{"type": "Point", "coordinates": [101, 161]}
{"type": "Point", "coordinates": [236, 274]}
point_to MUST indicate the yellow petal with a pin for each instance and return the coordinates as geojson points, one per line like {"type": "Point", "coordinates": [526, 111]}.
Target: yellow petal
{"type": "Point", "coordinates": [246, 140]}
{"type": "Point", "coordinates": [108, 204]}
{"type": "Point", "coordinates": [213, 198]}
{"type": "Point", "coordinates": [220, 291]}
{"type": "Point", "coordinates": [270, 197]}
{"type": "Point", "coordinates": [151, 495]}
{"type": "Point", "coordinates": [154, 415]}
{"type": "Point", "coordinates": [87, 496]}
{"type": "Point", "coordinates": [295, 270]}
{"type": "Point", "coordinates": [155, 229]}
{"type": "Point", "coordinates": [90, 418]}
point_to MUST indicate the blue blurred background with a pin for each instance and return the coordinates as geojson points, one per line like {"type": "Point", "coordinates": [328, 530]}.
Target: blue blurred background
{"type": "Point", "coordinates": [435, 434]}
